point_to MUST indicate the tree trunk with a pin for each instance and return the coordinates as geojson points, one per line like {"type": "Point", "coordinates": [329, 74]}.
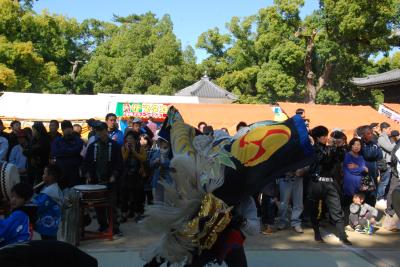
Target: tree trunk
{"type": "Point", "coordinates": [325, 76]}
{"type": "Point", "coordinates": [312, 89]}
{"type": "Point", "coordinates": [311, 93]}
{"type": "Point", "coordinates": [311, 86]}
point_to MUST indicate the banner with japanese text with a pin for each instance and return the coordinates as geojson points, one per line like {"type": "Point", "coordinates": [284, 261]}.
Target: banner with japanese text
{"type": "Point", "coordinates": [142, 110]}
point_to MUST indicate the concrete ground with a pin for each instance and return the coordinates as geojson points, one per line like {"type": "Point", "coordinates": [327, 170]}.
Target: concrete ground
{"type": "Point", "coordinates": [281, 249]}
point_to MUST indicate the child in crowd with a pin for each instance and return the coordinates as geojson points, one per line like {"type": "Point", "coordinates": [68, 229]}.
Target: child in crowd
{"type": "Point", "coordinates": [17, 156]}
{"type": "Point", "coordinates": [16, 228]}
{"type": "Point", "coordinates": [159, 164]}
{"type": "Point", "coordinates": [49, 202]}
{"type": "Point", "coordinates": [362, 216]}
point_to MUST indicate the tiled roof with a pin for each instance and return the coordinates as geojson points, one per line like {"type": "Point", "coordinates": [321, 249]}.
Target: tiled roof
{"type": "Point", "coordinates": [382, 80]}
{"type": "Point", "coordinates": [206, 88]}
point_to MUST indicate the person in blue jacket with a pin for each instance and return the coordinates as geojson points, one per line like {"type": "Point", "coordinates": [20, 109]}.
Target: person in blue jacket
{"type": "Point", "coordinates": [354, 168]}
{"type": "Point", "coordinates": [159, 164]}
{"type": "Point", "coordinates": [371, 153]}
{"type": "Point", "coordinates": [49, 202]}
{"type": "Point", "coordinates": [15, 228]}
{"type": "Point", "coordinates": [66, 154]}
{"type": "Point", "coordinates": [113, 132]}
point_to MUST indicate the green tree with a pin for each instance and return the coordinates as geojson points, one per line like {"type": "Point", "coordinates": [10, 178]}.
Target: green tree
{"type": "Point", "coordinates": [22, 69]}
{"type": "Point", "coordinates": [385, 64]}
{"type": "Point", "coordinates": [275, 55]}
{"type": "Point", "coordinates": [53, 41]}
{"type": "Point", "coordinates": [261, 65]}
{"type": "Point", "coordinates": [343, 30]}
{"type": "Point", "coordinates": [141, 56]}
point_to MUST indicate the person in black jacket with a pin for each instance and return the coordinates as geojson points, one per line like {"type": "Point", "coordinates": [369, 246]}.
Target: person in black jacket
{"type": "Point", "coordinates": [323, 185]}
{"type": "Point", "coordinates": [54, 125]}
{"type": "Point", "coordinates": [38, 153]}
{"type": "Point", "coordinates": [102, 165]}
{"type": "Point", "coordinates": [12, 137]}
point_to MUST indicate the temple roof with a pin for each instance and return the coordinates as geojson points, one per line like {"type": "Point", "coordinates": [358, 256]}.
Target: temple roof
{"type": "Point", "coordinates": [385, 79]}
{"type": "Point", "coordinates": [207, 89]}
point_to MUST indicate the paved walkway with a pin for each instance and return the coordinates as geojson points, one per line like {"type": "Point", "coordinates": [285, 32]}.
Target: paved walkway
{"type": "Point", "coordinates": [281, 249]}
{"type": "Point", "coordinates": [256, 258]}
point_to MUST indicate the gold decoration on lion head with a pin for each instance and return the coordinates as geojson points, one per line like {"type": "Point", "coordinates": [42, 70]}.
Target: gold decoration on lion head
{"type": "Point", "coordinates": [213, 217]}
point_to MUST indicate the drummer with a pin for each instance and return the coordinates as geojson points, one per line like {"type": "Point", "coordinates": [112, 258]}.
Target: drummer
{"type": "Point", "coordinates": [102, 165]}
{"type": "Point", "coordinates": [49, 202]}
{"type": "Point", "coordinates": [16, 228]}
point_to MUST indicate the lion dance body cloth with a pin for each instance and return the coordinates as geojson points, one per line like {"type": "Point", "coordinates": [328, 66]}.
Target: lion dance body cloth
{"type": "Point", "coordinates": [211, 175]}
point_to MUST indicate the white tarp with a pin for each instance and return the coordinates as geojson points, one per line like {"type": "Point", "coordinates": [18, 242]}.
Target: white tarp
{"type": "Point", "coordinates": [51, 106]}
{"type": "Point", "coordinates": [45, 107]}
{"type": "Point", "coordinates": [113, 99]}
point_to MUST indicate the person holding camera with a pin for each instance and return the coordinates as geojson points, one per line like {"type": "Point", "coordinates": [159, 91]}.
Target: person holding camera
{"type": "Point", "coordinates": [323, 186]}
{"type": "Point", "coordinates": [386, 146]}
{"type": "Point", "coordinates": [132, 182]}
{"type": "Point", "coordinates": [372, 155]}
{"type": "Point", "coordinates": [354, 168]}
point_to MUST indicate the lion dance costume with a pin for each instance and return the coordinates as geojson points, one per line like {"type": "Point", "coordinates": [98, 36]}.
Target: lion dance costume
{"type": "Point", "coordinates": [211, 175]}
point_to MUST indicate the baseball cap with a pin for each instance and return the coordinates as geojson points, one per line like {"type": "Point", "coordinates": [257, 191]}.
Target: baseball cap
{"type": "Point", "coordinates": [136, 120]}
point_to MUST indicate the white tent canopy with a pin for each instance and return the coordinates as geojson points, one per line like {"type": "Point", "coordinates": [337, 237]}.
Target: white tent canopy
{"type": "Point", "coordinates": [45, 107]}
{"type": "Point", "coordinates": [113, 99]}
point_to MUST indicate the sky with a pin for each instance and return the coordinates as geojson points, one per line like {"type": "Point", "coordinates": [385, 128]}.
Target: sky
{"type": "Point", "coordinates": [190, 18]}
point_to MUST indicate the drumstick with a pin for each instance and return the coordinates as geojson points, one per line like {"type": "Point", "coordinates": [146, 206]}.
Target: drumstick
{"type": "Point", "coordinates": [38, 185]}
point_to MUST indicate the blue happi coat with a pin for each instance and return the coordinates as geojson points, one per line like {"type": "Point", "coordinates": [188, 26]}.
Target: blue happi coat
{"type": "Point", "coordinates": [49, 203]}
{"type": "Point", "coordinates": [14, 229]}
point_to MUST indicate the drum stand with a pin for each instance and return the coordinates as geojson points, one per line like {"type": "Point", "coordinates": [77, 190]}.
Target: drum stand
{"type": "Point", "coordinates": [90, 235]}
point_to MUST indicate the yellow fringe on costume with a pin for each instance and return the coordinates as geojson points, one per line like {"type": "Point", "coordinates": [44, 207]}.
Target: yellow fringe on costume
{"type": "Point", "coordinates": [216, 215]}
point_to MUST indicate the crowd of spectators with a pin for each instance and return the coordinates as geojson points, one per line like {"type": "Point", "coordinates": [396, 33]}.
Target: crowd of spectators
{"type": "Point", "coordinates": [351, 175]}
